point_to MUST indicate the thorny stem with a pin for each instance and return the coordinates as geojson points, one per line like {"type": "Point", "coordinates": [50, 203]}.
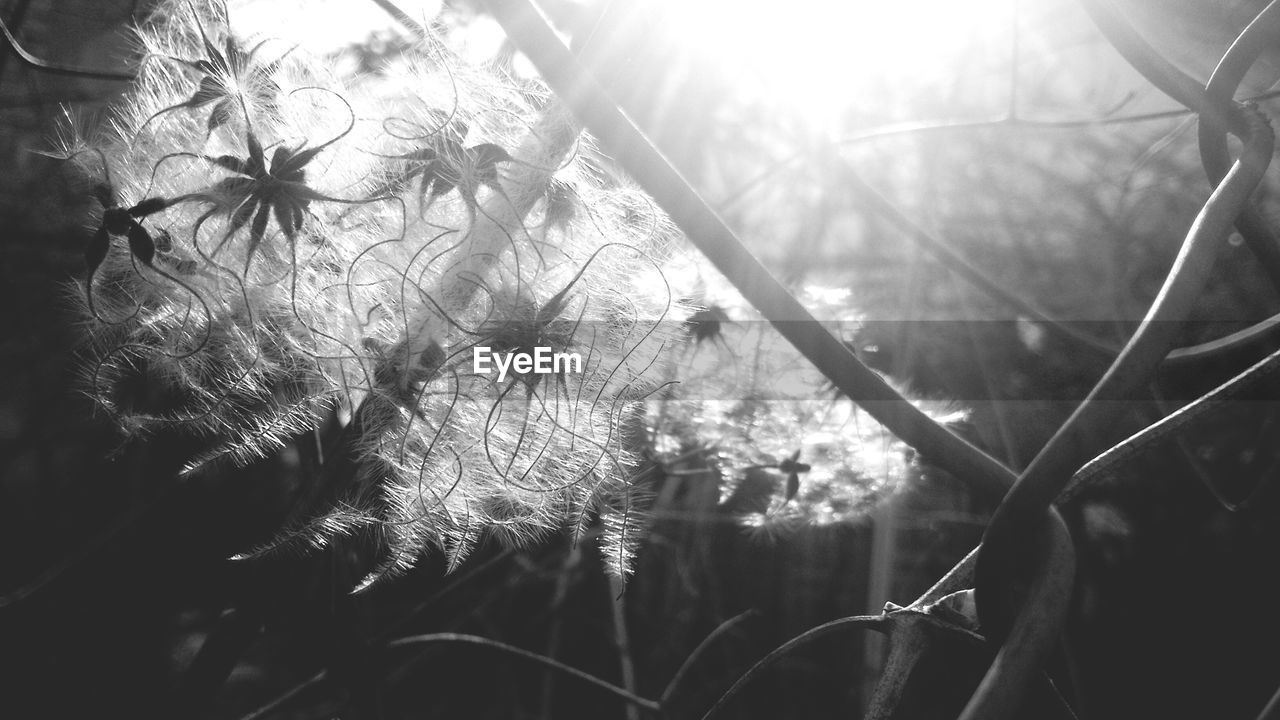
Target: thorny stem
{"type": "Point", "coordinates": [1034, 634]}
{"type": "Point", "coordinates": [907, 645]}
{"type": "Point", "coordinates": [1020, 661]}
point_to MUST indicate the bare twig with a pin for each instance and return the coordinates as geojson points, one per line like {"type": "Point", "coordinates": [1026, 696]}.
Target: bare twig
{"type": "Point", "coordinates": [874, 622]}
{"type": "Point", "coordinates": [415, 640]}
{"type": "Point", "coordinates": [698, 651]}
{"type": "Point", "coordinates": [53, 68]}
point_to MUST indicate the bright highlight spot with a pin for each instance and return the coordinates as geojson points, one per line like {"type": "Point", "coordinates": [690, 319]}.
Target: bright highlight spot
{"type": "Point", "coordinates": [822, 56]}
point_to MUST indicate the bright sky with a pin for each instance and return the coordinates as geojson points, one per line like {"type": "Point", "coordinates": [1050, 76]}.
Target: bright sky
{"type": "Point", "coordinates": [818, 54]}
{"type": "Point", "coordinates": [814, 55]}
{"type": "Point", "coordinates": [321, 26]}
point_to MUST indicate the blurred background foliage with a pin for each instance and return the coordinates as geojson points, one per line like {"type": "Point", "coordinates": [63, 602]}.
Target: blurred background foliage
{"type": "Point", "coordinates": [1045, 162]}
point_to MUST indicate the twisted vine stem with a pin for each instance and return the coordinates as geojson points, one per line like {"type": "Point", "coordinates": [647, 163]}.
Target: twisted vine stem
{"type": "Point", "coordinates": [1190, 93]}
{"type": "Point", "coordinates": [1213, 129]}
{"type": "Point", "coordinates": [1004, 554]}
{"type": "Point", "coordinates": [55, 68]}
{"type": "Point", "coordinates": [1172, 424]}
{"type": "Point", "coordinates": [1004, 550]}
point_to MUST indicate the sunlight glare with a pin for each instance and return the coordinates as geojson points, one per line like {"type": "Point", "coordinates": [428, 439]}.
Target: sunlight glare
{"type": "Point", "coordinates": [817, 55]}
{"type": "Point", "coordinates": [322, 26]}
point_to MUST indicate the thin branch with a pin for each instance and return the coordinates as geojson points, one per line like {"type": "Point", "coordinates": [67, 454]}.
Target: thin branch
{"type": "Point", "coordinates": [933, 126]}
{"type": "Point", "coordinates": [959, 577]}
{"type": "Point", "coordinates": [286, 696]}
{"type": "Point", "coordinates": [405, 19]}
{"type": "Point", "coordinates": [957, 263]}
{"type": "Point", "coordinates": [16, 18]}
{"type": "Point", "coordinates": [1152, 65]}
{"type": "Point", "coordinates": [432, 638]}
{"type": "Point", "coordinates": [1240, 341]}
{"type": "Point", "coordinates": [53, 68]}
{"type": "Point", "coordinates": [698, 651]}
{"type": "Point", "coordinates": [874, 622]}
{"type": "Point", "coordinates": [1214, 154]}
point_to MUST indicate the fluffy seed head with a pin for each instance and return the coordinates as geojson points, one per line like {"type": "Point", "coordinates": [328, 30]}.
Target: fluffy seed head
{"type": "Point", "coordinates": [315, 242]}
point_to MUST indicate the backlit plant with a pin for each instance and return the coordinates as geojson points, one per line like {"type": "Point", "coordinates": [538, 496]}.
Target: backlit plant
{"type": "Point", "coordinates": [323, 261]}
